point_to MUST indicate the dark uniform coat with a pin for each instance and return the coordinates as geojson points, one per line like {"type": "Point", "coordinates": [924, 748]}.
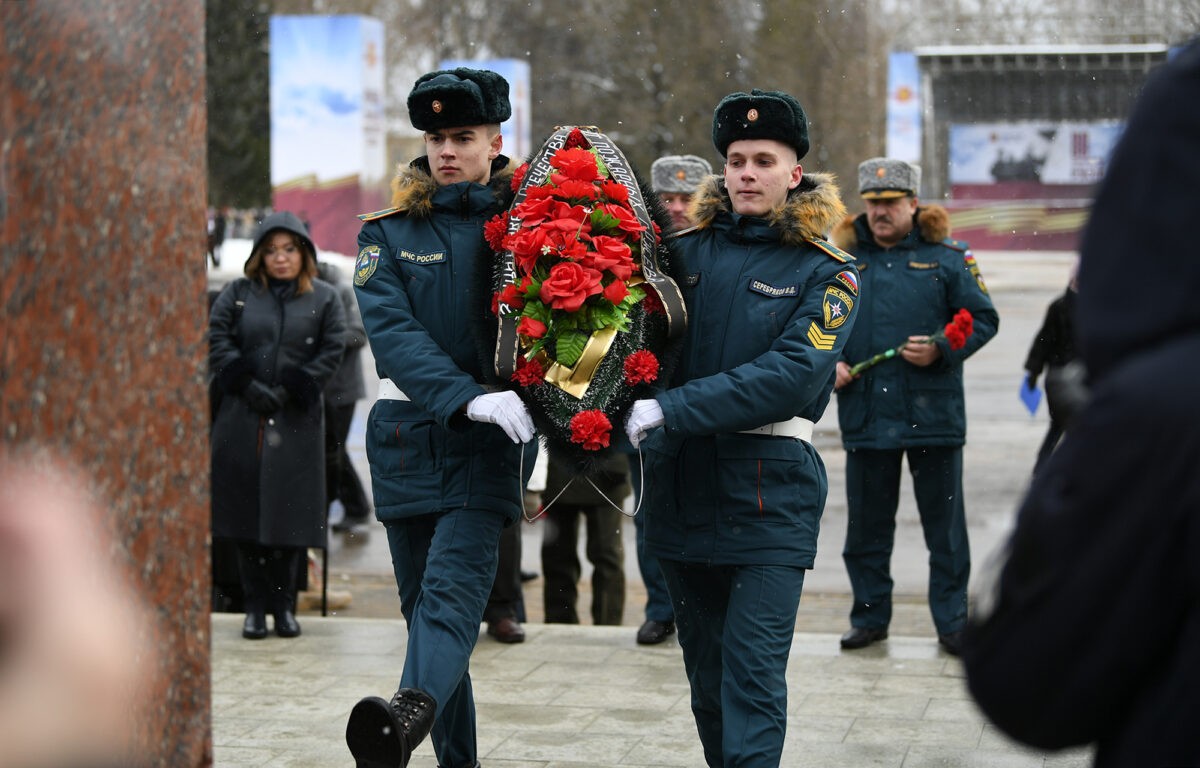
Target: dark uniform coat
{"type": "Point", "coordinates": [770, 305]}
{"type": "Point", "coordinates": [1092, 632]}
{"type": "Point", "coordinates": [417, 280]}
{"type": "Point", "coordinates": [914, 289]}
{"type": "Point", "coordinates": [268, 472]}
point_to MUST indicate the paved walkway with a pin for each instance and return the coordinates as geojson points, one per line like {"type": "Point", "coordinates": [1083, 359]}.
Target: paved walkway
{"type": "Point", "coordinates": [589, 697]}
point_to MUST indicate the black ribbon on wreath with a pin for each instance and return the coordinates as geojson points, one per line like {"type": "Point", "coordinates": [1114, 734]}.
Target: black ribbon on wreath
{"type": "Point", "coordinates": [589, 314]}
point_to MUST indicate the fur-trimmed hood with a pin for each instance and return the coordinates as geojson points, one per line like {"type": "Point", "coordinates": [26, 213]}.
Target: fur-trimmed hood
{"type": "Point", "coordinates": [413, 186]}
{"type": "Point", "coordinates": [932, 221]}
{"type": "Point", "coordinates": [810, 210]}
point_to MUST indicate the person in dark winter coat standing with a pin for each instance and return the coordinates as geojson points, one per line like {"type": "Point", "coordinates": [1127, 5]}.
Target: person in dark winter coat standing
{"type": "Point", "coordinates": [345, 388]}
{"type": "Point", "coordinates": [445, 449]}
{"type": "Point", "coordinates": [914, 280]}
{"type": "Point", "coordinates": [1054, 351]}
{"type": "Point", "coordinates": [596, 498]}
{"type": "Point", "coordinates": [275, 338]}
{"type": "Point", "coordinates": [1091, 632]}
{"type": "Point", "coordinates": [734, 489]}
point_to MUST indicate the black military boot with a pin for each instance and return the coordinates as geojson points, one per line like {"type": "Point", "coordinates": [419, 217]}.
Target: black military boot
{"type": "Point", "coordinates": [383, 734]}
{"type": "Point", "coordinates": [255, 625]}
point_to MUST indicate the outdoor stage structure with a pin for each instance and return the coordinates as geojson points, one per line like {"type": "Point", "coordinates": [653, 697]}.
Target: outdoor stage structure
{"type": "Point", "coordinates": [1012, 139]}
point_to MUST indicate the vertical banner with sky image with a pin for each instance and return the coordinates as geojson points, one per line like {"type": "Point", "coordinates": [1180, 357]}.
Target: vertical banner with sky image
{"type": "Point", "coordinates": [904, 107]}
{"type": "Point", "coordinates": [328, 149]}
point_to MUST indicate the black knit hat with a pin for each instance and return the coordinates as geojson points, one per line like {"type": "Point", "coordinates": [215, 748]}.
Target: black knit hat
{"type": "Point", "coordinates": [450, 98]}
{"type": "Point", "coordinates": [760, 115]}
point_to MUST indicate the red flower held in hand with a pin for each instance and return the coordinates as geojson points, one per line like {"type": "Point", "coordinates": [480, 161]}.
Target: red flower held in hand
{"type": "Point", "coordinates": [591, 429]}
{"type": "Point", "coordinates": [641, 367]}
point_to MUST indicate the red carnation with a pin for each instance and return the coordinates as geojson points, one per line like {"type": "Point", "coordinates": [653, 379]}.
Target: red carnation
{"type": "Point", "coordinates": [575, 140]}
{"type": "Point", "coordinates": [519, 176]}
{"type": "Point", "coordinates": [955, 337]}
{"type": "Point", "coordinates": [578, 164]}
{"type": "Point", "coordinates": [495, 230]}
{"type": "Point", "coordinates": [964, 321]}
{"type": "Point", "coordinates": [590, 429]}
{"type": "Point", "coordinates": [615, 191]}
{"type": "Point", "coordinates": [529, 373]}
{"type": "Point", "coordinates": [653, 304]}
{"type": "Point", "coordinates": [572, 189]}
{"type": "Point", "coordinates": [641, 367]}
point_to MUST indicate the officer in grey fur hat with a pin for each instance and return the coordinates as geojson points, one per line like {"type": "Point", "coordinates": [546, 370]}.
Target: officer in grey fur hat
{"type": "Point", "coordinates": [445, 445]}
{"type": "Point", "coordinates": [675, 179]}
{"type": "Point", "coordinates": [915, 278]}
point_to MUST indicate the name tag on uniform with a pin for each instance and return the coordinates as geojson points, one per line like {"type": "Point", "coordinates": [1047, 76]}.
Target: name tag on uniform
{"type": "Point", "coordinates": [774, 291]}
{"type": "Point", "coordinates": [423, 258]}
{"type": "Point", "coordinates": [922, 265]}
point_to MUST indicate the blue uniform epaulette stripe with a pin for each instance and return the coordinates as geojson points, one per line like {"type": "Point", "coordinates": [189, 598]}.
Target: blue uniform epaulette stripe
{"type": "Point", "coordinates": [957, 245]}
{"type": "Point", "coordinates": [831, 249]}
{"type": "Point", "coordinates": [686, 231]}
{"type": "Point", "coordinates": [377, 214]}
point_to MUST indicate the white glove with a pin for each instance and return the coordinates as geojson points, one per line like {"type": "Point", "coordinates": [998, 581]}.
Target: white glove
{"type": "Point", "coordinates": [505, 410]}
{"type": "Point", "coordinates": [643, 416]}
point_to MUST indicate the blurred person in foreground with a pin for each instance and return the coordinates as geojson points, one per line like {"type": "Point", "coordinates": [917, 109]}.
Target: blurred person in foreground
{"type": "Point", "coordinates": [1054, 351]}
{"type": "Point", "coordinates": [447, 453]}
{"type": "Point", "coordinates": [1091, 633]}
{"type": "Point", "coordinates": [75, 661]}
{"type": "Point", "coordinates": [275, 338]}
{"type": "Point", "coordinates": [914, 280]}
{"type": "Point", "coordinates": [734, 487]}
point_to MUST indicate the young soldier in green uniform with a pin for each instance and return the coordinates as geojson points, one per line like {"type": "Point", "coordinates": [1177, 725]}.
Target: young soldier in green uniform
{"type": "Point", "coordinates": [734, 487]}
{"type": "Point", "coordinates": [445, 480]}
{"type": "Point", "coordinates": [914, 279]}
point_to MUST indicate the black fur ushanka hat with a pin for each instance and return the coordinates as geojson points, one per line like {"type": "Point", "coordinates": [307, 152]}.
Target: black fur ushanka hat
{"type": "Point", "coordinates": [760, 115]}
{"type": "Point", "coordinates": [450, 98]}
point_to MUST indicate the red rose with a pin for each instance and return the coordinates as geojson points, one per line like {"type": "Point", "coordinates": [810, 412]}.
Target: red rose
{"type": "Point", "coordinates": [527, 246]}
{"type": "Point", "coordinates": [590, 429]}
{"type": "Point", "coordinates": [627, 221]}
{"type": "Point", "coordinates": [534, 329]}
{"type": "Point", "coordinates": [578, 164]}
{"type": "Point", "coordinates": [495, 230]}
{"type": "Point", "coordinates": [519, 176]}
{"type": "Point", "coordinates": [511, 295]}
{"type": "Point", "coordinates": [533, 211]}
{"type": "Point", "coordinates": [569, 285]}
{"type": "Point", "coordinates": [641, 366]}
{"type": "Point", "coordinates": [611, 253]}
{"type": "Point", "coordinates": [529, 373]}
{"type": "Point", "coordinates": [616, 292]}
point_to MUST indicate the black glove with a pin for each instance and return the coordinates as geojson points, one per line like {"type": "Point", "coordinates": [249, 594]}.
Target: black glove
{"type": "Point", "coordinates": [262, 399]}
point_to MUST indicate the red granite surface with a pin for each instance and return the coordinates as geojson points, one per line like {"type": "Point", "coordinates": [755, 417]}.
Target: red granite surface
{"type": "Point", "coordinates": [102, 309]}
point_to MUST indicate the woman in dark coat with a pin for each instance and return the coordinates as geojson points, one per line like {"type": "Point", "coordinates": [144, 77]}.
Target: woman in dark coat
{"type": "Point", "coordinates": [275, 338]}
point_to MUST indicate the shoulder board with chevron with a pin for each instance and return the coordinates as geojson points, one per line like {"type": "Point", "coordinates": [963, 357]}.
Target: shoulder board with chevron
{"type": "Point", "coordinates": [377, 214]}
{"type": "Point", "coordinates": [831, 249]}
